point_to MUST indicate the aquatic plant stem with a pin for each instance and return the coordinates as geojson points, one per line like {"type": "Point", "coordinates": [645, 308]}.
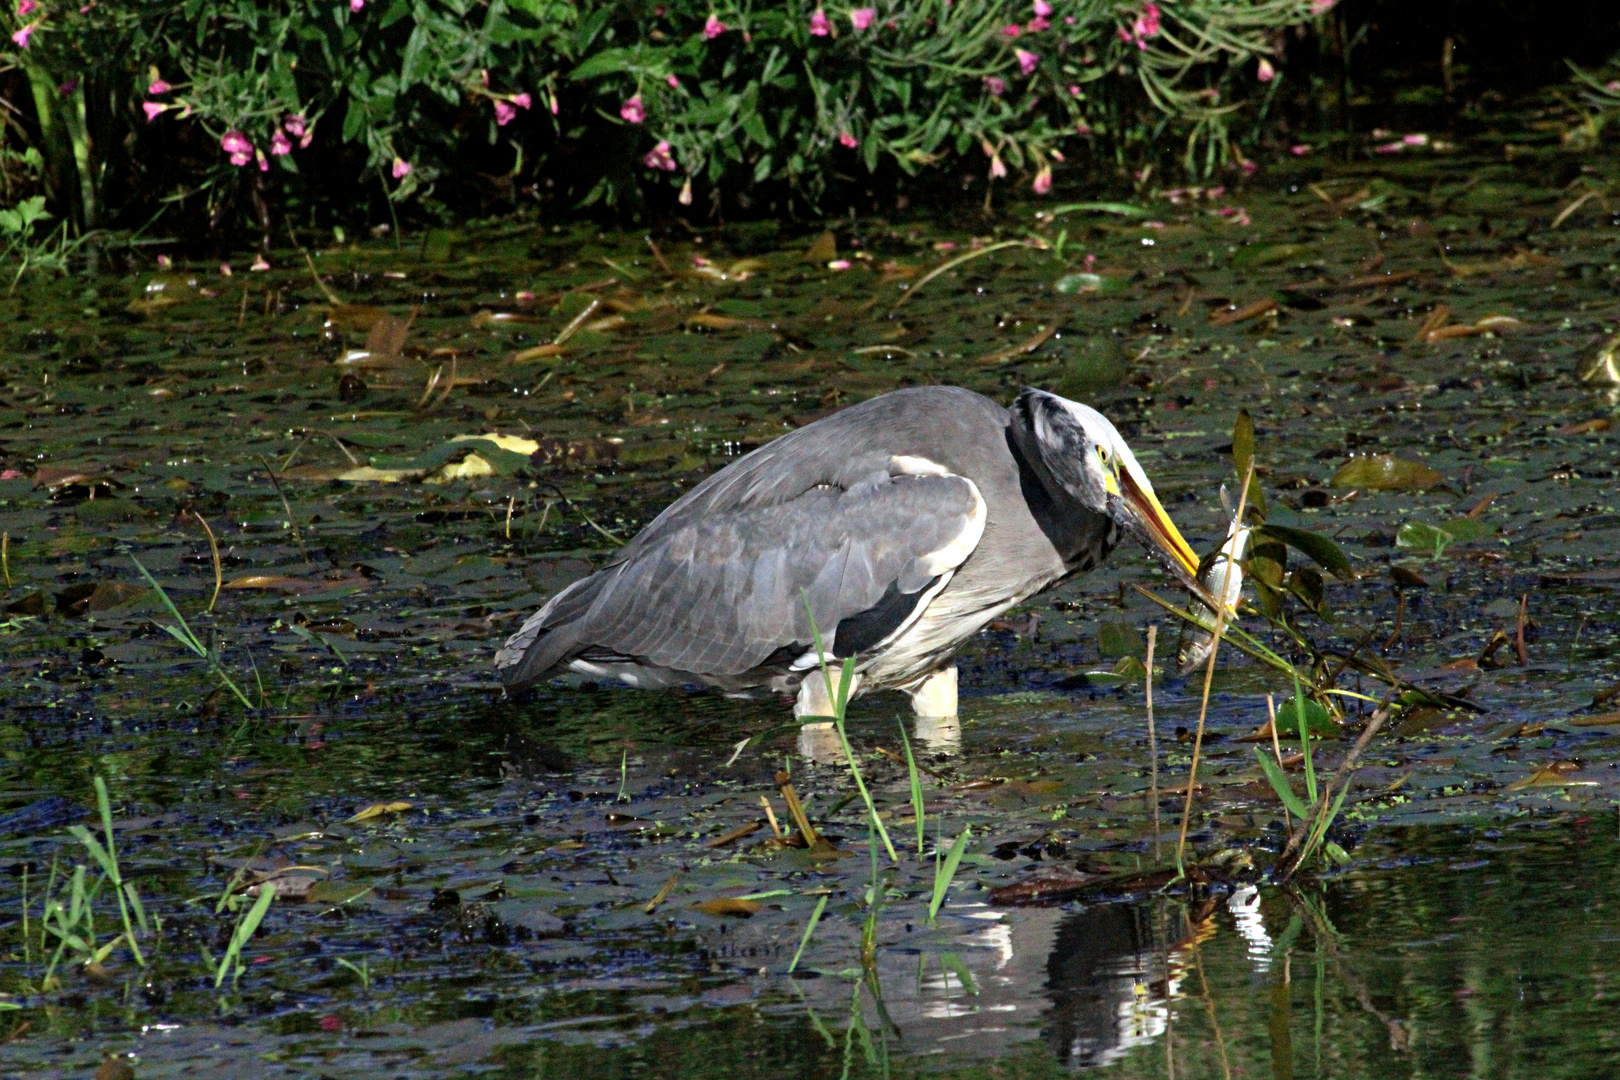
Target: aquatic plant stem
{"type": "Point", "coordinates": [292, 522]}
{"type": "Point", "coordinates": [1153, 746]}
{"type": "Point", "coordinates": [810, 928]}
{"type": "Point", "coordinates": [951, 264]}
{"type": "Point", "coordinates": [1209, 679]}
{"type": "Point", "coordinates": [213, 551]}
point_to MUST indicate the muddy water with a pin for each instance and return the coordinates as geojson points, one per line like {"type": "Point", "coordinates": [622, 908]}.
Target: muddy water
{"type": "Point", "coordinates": [521, 898]}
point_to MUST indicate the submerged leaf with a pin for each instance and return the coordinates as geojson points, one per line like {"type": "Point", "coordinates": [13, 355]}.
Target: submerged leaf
{"type": "Point", "coordinates": [728, 905]}
{"type": "Point", "coordinates": [378, 809]}
{"type": "Point", "coordinates": [1385, 472]}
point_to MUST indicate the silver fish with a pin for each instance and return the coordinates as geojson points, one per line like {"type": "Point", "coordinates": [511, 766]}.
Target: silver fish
{"type": "Point", "coordinates": [1223, 580]}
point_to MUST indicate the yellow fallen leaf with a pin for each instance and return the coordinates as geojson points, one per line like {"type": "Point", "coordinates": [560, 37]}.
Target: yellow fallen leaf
{"type": "Point", "coordinates": [517, 444]}
{"type": "Point", "coordinates": [378, 809]}
{"type": "Point", "coordinates": [470, 467]}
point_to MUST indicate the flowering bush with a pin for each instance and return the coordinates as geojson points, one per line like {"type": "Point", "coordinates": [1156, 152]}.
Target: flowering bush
{"type": "Point", "coordinates": [718, 97]}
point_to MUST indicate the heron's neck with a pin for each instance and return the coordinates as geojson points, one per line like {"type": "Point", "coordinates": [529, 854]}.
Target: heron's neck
{"type": "Point", "coordinates": [1082, 536]}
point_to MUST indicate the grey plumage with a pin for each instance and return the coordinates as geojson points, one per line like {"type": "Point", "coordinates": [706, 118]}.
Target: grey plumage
{"type": "Point", "coordinates": [909, 521]}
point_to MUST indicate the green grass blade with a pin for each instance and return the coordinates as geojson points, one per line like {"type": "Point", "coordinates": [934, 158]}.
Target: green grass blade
{"type": "Point", "coordinates": [1279, 784]}
{"type": "Point", "coordinates": [188, 639]}
{"type": "Point", "coordinates": [809, 929]}
{"type": "Point", "coordinates": [945, 871]}
{"type": "Point", "coordinates": [916, 789]}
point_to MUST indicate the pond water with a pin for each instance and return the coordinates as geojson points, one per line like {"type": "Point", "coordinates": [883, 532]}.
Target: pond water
{"type": "Point", "coordinates": [586, 881]}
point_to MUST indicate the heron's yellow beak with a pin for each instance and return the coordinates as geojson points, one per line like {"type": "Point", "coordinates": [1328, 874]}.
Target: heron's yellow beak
{"type": "Point", "coordinates": [1158, 527]}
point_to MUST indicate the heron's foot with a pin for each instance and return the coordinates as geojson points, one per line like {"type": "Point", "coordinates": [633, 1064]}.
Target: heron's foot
{"type": "Point", "coordinates": [813, 699]}
{"type": "Point", "coordinates": [935, 696]}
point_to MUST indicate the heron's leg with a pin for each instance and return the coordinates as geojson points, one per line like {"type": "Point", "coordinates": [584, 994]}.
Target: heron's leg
{"type": "Point", "coordinates": [936, 694]}
{"type": "Point", "coordinates": [813, 699]}
{"type": "Point", "coordinates": [819, 742]}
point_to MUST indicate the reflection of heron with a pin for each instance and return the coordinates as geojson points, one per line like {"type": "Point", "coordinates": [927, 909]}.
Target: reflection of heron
{"type": "Point", "coordinates": [906, 523]}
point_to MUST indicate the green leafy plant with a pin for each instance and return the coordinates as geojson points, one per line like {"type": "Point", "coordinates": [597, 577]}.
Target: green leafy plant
{"type": "Point", "coordinates": [69, 912]}
{"type": "Point", "coordinates": [945, 868]}
{"type": "Point", "coordinates": [184, 635]}
{"type": "Point", "coordinates": [247, 924]}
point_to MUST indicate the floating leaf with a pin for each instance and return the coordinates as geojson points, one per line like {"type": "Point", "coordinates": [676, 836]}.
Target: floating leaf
{"type": "Point", "coordinates": [1317, 720]}
{"type": "Point", "coordinates": [1118, 208]}
{"type": "Point", "coordinates": [1557, 774]}
{"type": "Point", "coordinates": [1385, 472]}
{"type": "Point", "coordinates": [1436, 538]}
{"type": "Point", "coordinates": [1120, 639]}
{"type": "Point", "coordinates": [728, 905]}
{"type": "Point", "coordinates": [1086, 282]}
{"type": "Point", "coordinates": [1232, 315]}
{"type": "Point", "coordinates": [378, 809]}
{"type": "Point", "coordinates": [1271, 254]}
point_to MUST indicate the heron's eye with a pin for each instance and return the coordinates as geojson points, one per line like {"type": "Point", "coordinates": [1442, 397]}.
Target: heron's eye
{"type": "Point", "coordinates": [1102, 452]}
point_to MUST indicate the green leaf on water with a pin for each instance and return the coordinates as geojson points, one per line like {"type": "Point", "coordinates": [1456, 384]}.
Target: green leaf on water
{"type": "Point", "coordinates": [1386, 472]}
{"type": "Point", "coordinates": [1421, 536]}
{"type": "Point", "coordinates": [1084, 282]}
{"type": "Point", "coordinates": [1279, 783]}
{"type": "Point", "coordinates": [1119, 639]}
{"type": "Point", "coordinates": [1314, 546]}
{"type": "Point", "coordinates": [1272, 254]}
{"type": "Point", "coordinates": [1317, 720]}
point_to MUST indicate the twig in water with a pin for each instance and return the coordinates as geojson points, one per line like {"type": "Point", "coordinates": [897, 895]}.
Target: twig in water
{"type": "Point", "coordinates": [659, 255]}
{"type": "Point", "coordinates": [213, 550]}
{"type": "Point", "coordinates": [292, 522]}
{"type": "Point", "coordinates": [770, 816]}
{"type": "Point", "coordinates": [5, 556]}
{"type": "Point", "coordinates": [1276, 750]}
{"type": "Point", "coordinates": [1153, 745]}
{"type": "Point", "coordinates": [576, 322]}
{"type": "Point", "coordinates": [795, 810]}
{"type": "Point", "coordinates": [663, 894]}
{"type": "Point", "coordinates": [511, 504]}
{"type": "Point", "coordinates": [1209, 678]}
{"type": "Point", "coordinates": [1518, 631]}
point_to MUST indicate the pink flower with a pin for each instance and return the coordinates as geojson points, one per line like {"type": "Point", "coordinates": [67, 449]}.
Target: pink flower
{"type": "Point", "coordinates": [1300, 150]}
{"type": "Point", "coordinates": [21, 36]}
{"type": "Point", "coordinates": [1027, 61]}
{"type": "Point", "coordinates": [1613, 87]}
{"type": "Point", "coordinates": [995, 84]}
{"type": "Point", "coordinates": [1043, 10]}
{"type": "Point", "coordinates": [294, 123]}
{"type": "Point", "coordinates": [997, 169]}
{"type": "Point", "coordinates": [1082, 128]}
{"type": "Point", "coordinates": [1074, 90]}
{"type": "Point", "coordinates": [1037, 24]}
{"type": "Point", "coordinates": [674, 83]}
{"type": "Point", "coordinates": [522, 101]}
{"type": "Point", "coordinates": [356, 5]}
{"type": "Point", "coordinates": [713, 28]}
{"type": "Point", "coordinates": [264, 162]}
{"type": "Point", "coordinates": [1415, 140]}
{"type": "Point", "coordinates": [848, 140]}
{"type": "Point", "coordinates": [1322, 7]}
{"type": "Point", "coordinates": [1148, 25]}
{"type": "Point", "coordinates": [153, 109]}
{"type": "Point", "coordinates": [225, 269]}
{"type": "Point", "coordinates": [1390, 148]}
{"type": "Point", "coordinates": [1043, 180]}
{"type": "Point", "coordinates": [279, 143]}
{"type": "Point", "coordinates": [1265, 72]}
{"type": "Point", "coordinates": [632, 111]}
{"type": "Point", "coordinates": [819, 26]}
{"type": "Point", "coordinates": [1248, 167]}
{"type": "Point", "coordinates": [158, 87]}
{"type": "Point", "coordinates": [1011, 30]}
{"type": "Point", "coordinates": [24, 7]}
{"type": "Point", "coordinates": [660, 157]}
{"type": "Point", "coordinates": [235, 144]}
{"type": "Point", "coordinates": [504, 113]}
{"type": "Point", "coordinates": [402, 168]}
{"type": "Point", "coordinates": [838, 264]}
{"type": "Point", "coordinates": [861, 18]}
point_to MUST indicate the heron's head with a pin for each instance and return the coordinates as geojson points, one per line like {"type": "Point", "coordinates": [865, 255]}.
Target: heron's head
{"type": "Point", "coordinates": [1086, 457]}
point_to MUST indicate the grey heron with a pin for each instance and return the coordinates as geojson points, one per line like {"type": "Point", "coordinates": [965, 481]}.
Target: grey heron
{"type": "Point", "coordinates": [905, 523]}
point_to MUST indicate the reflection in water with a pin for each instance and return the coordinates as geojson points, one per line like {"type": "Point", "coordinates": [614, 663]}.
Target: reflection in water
{"type": "Point", "coordinates": [1108, 984]}
{"type": "Point", "coordinates": [819, 743]}
{"type": "Point", "coordinates": [940, 734]}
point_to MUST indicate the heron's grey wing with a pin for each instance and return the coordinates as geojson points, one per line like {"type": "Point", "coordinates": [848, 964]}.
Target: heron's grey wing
{"type": "Point", "coordinates": [720, 594]}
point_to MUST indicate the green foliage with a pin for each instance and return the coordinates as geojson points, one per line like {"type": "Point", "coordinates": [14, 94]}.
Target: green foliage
{"type": "Point", "coordinates": [69, 911]}
{"type": "Point", "coordinates": [727, 97]}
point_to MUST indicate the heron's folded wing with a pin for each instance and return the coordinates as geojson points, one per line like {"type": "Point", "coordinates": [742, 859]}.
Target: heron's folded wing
{"type": "Point", "coordinates": [720, 594]}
